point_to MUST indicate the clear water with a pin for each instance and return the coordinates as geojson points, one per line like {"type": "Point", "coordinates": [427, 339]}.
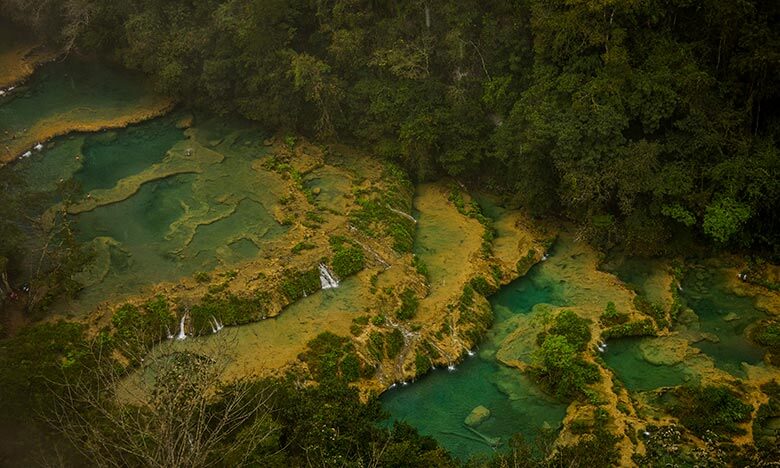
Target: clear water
{"type": "Point", "coordinates": [625, 358]}
{"type": "Point", "coordinates": [705, 291]}
{"type": "Point", "coordinates": [65, 95]}
{"type": "Point", "coordinates": [111, 156]}
{"type": "Point", "coordinates": [438, 403]}
{"type": "Point", "coordinates": [171, 227]}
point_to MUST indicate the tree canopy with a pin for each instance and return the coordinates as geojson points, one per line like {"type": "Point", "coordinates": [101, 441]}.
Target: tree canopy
{"type": "Point", "coordinates": [638, 120]}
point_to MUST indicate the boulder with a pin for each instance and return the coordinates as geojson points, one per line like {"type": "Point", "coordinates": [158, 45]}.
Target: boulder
{"type": "Point", "coordinates": [666, 350]}
{"type": "Point", "coordinates": [730, 317]}
{"type": "Point", "coordinates": [687, 316]}
{"type": "Point", "coordinates": [477, 416]}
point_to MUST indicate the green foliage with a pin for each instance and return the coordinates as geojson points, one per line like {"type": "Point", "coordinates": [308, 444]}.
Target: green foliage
{"type": "Point", "coordinates": [526, 262]}
{"type": "Point", "coordinates": [409, 305]}
{"type": "Point", "coordinates": [202, 277]}
{"type": "Point", "coordinates": [725, 218]}
{"type": "Point", "coordinates": [34, 362]}
{"type": "Point", "coordinates": [331, 357]}
{"type": "Point", "coordinates": [678, 213]}
{"type": "Point", "coordinates": [466, 299]}
{"type": "Point", "coordinates": [767, 334]}
{"type": "Point", "coordinates": [296, 283]}
{"type": "Point", "coordinates": [574, 329]}
{"type": "Point", "coordinates": [378, 320]}
{"type": "Point", "coordinates": [710, 409]}
{"type": "Point", "coordinates": [394, 343]}
{"type": "Point", "coordinates": [347, 261]}
{"type": "Point", "coordinates": [229, 309]}
{"type": "Point", "coordinates": [638, 328]}
{"type": "Point", "coordinates": [301, 246]}
{"type": "Point", "coordinates": [653, 122]}
{"type": "Point", "coordinates": [611, 316]}
{"type": "Point", "coordinates": [421, 363]}
{"type": "Point", "coordinates": [482, 286]}
{"type": "Point", "coordinates": [137, 329]}
{"type": "Point", "coordinates": [420, 266]}
{"type": "Point", "coordinates": [560, 368]}
{"type": "Point", "coordinates": [333, 419]}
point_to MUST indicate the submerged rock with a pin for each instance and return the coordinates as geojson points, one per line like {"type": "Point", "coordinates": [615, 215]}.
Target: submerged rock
{"type": "Point", "coordinates": [477, 416]}
{"type": "Point", "coordinates": [687, 316]}
{"type": "Point", "coordinates": [666, 351]}
{"type": "Point", "coordinates": [730, 317]}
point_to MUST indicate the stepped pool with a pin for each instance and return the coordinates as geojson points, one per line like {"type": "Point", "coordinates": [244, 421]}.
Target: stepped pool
{"type": "Point", "coordinates": [72, 95]}
{"type": "Point", "coordinates": [715, 325]}
{"type": "Point", "coordinates": [438, 403]}
{"type": "Point", "coordinates": [153, 202]}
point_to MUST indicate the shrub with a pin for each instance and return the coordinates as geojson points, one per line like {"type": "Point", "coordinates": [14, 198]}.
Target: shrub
{"type": "Point", "coordinates": [331, 357]}
{"type": "Point", "coordinates": [229, 309]}
{"type": "Point", "coordinates": [611, 316]}
{"type": "Point", "coordinates": [202, 277]}
{"type": "Point", "coordinates": [296, 283]}
{"type": "Point", "coordinates": [348, 261]}
{"type": "Point", "coordinates": [641, 328]}
{"type": "Point", "coordinates": [482, 286]}
{"type": "Point", "coordinates": [300, 246]}
{"type": "Point", "coordinates": [394, 343]}
{"type": "Point", "coordinates": [409, 304]}
{"type": "Point", "coordinates": [715, 409]}
{"type": "Point", "coordinates": [378, 320]}
{"type": "Point", "coordinates": [767, 334]}
{"type": "Point", "coordinates": [576, 330]}
{"type": "Point", "coordinates": [421, 363]}
{"type": "Point", "coordinates": [138, 329]}
{"type": "Point", "coordinates": [561, 370]}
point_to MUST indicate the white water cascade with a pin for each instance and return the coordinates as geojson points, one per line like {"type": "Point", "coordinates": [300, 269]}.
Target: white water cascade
{"type": "Point", "coordinates": [182, 335]}
{"type": "Point", "coordinates": [216, 326]}
{"type": "Point", "coordinates": [327, 280]}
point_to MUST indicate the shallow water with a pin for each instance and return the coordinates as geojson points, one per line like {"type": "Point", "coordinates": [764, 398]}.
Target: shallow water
{"type": "Point", "coordinates": [625, 358]}
{"type": "Point", "coordinates": [111, 156]}
{"type": "Point", "coordinates": [66, 95]}
{"type": "Point", "coordinates": [724, 314]}
{"type": "Point", "coordinates": [438, 403]}
{"type": "Point", "coordinates": [173, 226]}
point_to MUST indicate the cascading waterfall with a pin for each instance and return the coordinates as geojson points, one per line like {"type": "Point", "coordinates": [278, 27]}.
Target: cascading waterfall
{"type": "Point", "coordinates": [216, 326]}
{"type": "Point", "coordinates": [182, 335]}
{"type": "Point", "coordinates": [327, 280]}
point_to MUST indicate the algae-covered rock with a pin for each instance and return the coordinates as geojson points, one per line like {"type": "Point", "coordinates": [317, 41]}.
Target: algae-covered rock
{"type": "Point", "coordinates": [477, 416]}
{"type": "Point", "coordinates": [667, 350]}
{"type": "Point", "coordinates": [687, 316]}
{"type": "Point", "coordinates": [185, 122]}
{"type": "Point", "coordinates": [730, 317]}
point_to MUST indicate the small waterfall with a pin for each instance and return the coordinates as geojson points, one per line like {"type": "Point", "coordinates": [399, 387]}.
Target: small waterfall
{"type": "Point", "coordinates": [327, 280]}
{"type": "Point", "coordinates": [451, 367]}
{"type": "Point", "coordinates": [182, 335]}
{"type": "Point", "coordinates": [216, 326]}
{"type": "Point", "coordinates": [168, 332]}
{"type": "Point", "coordinates": [470, 352]}
{"type": "Point", "coordinates": [401, 213]}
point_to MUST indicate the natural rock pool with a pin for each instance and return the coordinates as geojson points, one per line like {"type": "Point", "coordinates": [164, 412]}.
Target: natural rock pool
{"type": "Point", "coordinates": [159, 199]}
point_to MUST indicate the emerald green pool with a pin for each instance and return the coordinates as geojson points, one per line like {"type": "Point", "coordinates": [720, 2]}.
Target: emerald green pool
{"type": "Point", "coordinates": [215, 214]}
{"type": "Point", "coordinates": [625, 358]}
{"type": "Point", "coordinates": [67, 94]}
{"type": "Point", "coordinates": [438, 403]}
{"type": "Point", "coordinates": [724, 314]}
